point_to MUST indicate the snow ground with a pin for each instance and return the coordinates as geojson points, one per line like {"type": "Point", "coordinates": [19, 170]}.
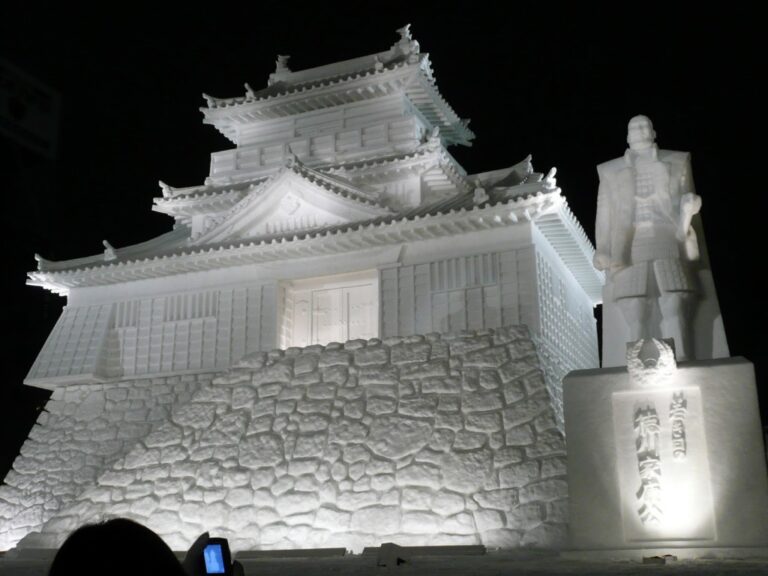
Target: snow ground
{"type": "Point", "coordinates": [491, 564]}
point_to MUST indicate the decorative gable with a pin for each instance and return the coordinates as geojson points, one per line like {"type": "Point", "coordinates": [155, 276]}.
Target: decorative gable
{"type": "Point", "coordinates": [295, 199]}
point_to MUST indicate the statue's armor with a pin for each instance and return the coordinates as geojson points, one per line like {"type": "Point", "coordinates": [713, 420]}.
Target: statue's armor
{"type": "Point", "coordinates": [646, 243]}
{"type": "Point", "coordinates": [654, 237]}
{"type": "Point", "coordinates": [655, 252]}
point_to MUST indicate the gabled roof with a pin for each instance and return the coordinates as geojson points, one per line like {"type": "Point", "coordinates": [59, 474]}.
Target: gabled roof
{"type": "Point", "coordinates": [431, 155]}
{"type": "Point", "coordinates": [396, 161]}
{"type": "Point", "coordinates": [505, 177]}
{"type": "Point", "coordinates": [287, 87]}
{"type": "Point", "coordinates": [203, 199]}
{"type": "Point", "coordinates": [331, 200]}
{"type": "Point", "coordinates": [536, 200]}
{"type": "Point", "coordinates": [220, 197]}
{"type": "Point", "coordinates": [401, 69]}
{"type": "Point", "coordinates": [285, 81]}
{"type": "Point", "coordinates": [172, 193]}
{"type": "Point", "coordinates": [176, 238]}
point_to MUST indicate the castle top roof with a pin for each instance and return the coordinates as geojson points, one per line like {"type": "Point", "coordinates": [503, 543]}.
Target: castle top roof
{"type": "Point", "coordinates": [400, 69]}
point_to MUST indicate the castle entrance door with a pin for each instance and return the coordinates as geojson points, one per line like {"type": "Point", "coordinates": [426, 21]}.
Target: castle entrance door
{"type": "Point", "coordinates": [330, 309]}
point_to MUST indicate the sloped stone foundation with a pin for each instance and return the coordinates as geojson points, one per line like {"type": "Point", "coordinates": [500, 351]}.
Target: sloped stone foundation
{"type": "Point", "coordinates": [83, 431]}
{"type": "Point", "coordinates": [417, 440]}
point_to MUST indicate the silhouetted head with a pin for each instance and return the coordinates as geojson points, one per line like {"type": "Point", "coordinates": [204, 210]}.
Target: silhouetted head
{"type": "Point", "coordinates": [117, 547]}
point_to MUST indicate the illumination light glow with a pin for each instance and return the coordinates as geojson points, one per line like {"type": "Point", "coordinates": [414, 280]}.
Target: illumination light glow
{"type": "Point", "coordinates": [714, 492]}
{"type": "Point", "coordinates": [682, 502]}
{"type": "Point", "coordinates": [684, 497]}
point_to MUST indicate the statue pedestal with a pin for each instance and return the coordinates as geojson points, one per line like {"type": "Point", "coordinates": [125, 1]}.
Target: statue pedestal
{"type": "Point", "coordinates": [675, 466]}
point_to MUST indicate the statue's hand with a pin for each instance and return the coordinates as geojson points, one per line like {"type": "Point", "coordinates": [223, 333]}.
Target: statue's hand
{"type": "Point", "coordinates": [601, 261]}
{"type": "Point", "coordinates": [690, 204]}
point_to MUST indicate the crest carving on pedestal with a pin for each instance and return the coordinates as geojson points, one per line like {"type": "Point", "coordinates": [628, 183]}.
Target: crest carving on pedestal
{"type": "Point", "coordinates": [651, 362]}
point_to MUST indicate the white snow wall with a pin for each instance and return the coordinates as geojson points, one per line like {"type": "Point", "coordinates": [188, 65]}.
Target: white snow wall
{"type": "Point", "coordinates": [416, 440]}
{"type": "Point", "coordinates": [82, 432]}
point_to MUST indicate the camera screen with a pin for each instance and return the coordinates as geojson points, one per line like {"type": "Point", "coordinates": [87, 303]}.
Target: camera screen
{"type": "Point", "coordinates": [214, 559]}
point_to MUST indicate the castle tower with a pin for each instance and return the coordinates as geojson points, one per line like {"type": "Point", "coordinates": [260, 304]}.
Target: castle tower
{"type": "Point", "coordinates": [338, 238]}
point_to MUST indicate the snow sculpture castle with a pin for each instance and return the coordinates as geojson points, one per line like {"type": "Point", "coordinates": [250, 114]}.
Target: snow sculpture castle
{"type": "Point", "coordinates": [339, 216]}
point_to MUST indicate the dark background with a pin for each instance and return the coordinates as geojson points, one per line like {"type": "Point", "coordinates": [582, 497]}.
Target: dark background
{"type": "Point", "coordinates": [557, 82]}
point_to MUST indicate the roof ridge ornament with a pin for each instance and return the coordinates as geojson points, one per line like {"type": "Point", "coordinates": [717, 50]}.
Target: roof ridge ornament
{"type": "Point", "coordinates": [480, 196]}
{"type": "Point", "coordinates": [407, 46]}
{"type": "Point", "coordinates": [291, 159]}
{"type": "Point", "coordinates": [41, 262]}
{"type": "Point", "coordinates": [109, 251]}
{"type": "Point", "coordinates": [166, 190]}
{"type": "Point", "coordinates": [281, 68]}
{"type": "Point", "coordinates": [550, 182]}
{"type": "Point", "coordinates": [433, 141]}
{"type": "Point", "coordinates": [281, 65]}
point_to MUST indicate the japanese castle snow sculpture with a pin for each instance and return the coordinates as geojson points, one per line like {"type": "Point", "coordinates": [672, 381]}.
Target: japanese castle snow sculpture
{"type": "Point", "coordinates": [345, 339]}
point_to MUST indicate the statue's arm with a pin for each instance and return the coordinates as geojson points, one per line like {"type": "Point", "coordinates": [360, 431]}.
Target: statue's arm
{"type": "Point", "coordinates": [602, 258]}
{"type": "Point", "coordinates": [690, 204]}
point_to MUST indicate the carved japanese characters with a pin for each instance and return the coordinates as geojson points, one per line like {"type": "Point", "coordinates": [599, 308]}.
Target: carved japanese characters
{"type": "Point", "coordinates": [678, 409]}
{"type": "Point", "coordinates": [647, 430]}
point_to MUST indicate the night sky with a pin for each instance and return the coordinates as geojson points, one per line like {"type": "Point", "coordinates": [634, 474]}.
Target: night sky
{"type": "Point", "coordinates": [557, 83]}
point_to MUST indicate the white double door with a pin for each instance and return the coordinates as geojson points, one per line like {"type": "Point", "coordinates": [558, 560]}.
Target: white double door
{"type": "Point", "coordinates": [333, 311]}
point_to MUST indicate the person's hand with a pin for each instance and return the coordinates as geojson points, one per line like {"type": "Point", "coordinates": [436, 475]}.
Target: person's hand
{"type": "Point", "coordinates": [192, 564]}
{"type": "Point", "coordinates": [193, 560]}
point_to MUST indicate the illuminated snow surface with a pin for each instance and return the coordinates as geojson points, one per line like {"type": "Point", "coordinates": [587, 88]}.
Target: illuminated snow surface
{"type": "Point", "coordinates": [338, 229]}
{"type": "Point", "coordinates": [493, 563]}
{"type": "Point", "coordinates": [420, 440]}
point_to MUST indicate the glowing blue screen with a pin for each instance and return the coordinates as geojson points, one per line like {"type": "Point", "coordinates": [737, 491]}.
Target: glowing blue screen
{"type": "Point", "coordinates": [214, 559]}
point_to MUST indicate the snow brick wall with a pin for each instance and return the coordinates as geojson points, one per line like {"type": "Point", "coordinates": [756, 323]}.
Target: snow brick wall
{"type": "Point", "coordinates": [416, 440]}
{"type": "Point", "coordinates": [82, 432]}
